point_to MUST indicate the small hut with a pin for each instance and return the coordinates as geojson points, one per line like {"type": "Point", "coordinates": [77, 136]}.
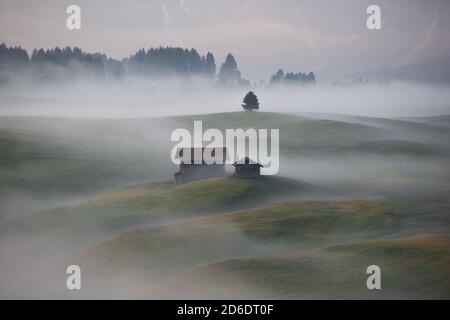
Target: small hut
{"type": "Point", "coordinates": [246, 168]}
{"type": "Point", "coordinates": [191, 170]}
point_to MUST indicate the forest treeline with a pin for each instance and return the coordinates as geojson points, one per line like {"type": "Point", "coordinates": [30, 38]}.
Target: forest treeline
{"type": "Point", "coordinates": [292, 78]}
{"type": "Point", "coordinates": [68, 63]}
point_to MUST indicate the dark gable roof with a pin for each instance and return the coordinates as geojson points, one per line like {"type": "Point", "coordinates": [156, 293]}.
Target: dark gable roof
{"type": "Point", "coordinates": [200, 152]}
{"type": "Point", "coordinates": [247, 161]}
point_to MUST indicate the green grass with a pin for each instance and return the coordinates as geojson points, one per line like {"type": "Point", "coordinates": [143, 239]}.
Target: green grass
{"type": "Point", "coordinates": [439, 120]}
{"type": "Point", "coordinates": [249, 235]}
{"type": "Point", "coordinates": [298, 135]}
{"type": "Point", "coordinates": [397, 147]}
{"type": "Point", "coordinates": [268, 229]}
{"type": "Point", "coordinates": [84, 156]}
{"type": "Point", "coordinates": [156, 203]}
{"type": "Point", "coordinates": [256, 251]}
{"type": "Point", "coordinates": [318, 221]}
{"type": "Point", "coordinates": [48, 156]}
{"type": "Point", "coordinates": [411, 268]}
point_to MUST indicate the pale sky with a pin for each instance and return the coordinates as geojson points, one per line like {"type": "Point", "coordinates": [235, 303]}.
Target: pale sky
{"type": "Point", "coordinates": [328, 37]}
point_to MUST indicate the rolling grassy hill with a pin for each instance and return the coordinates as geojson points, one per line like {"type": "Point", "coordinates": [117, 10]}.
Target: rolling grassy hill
{"type": "Point", "coordinates": [440, 120]}
{"type": "Point", "coordinates": [229, 237]}
{"type": "Point", "coordinates": [250, 244]}
{"type": "Point", "coordinates": [411, 268]}
{"type": "Point", "coordinates": [429, 130]}
{"type": "Point", "coordinates": [46, 156]}
{"type": "Point", "coordinates": [154, 203]}
{"type": "Point", "coordinates": [267, 229]}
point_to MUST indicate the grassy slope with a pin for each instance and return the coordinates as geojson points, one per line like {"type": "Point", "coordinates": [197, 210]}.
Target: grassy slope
{"type": "Point", "coordinates": [155, 203]}
{"type": "Point", "coordinates": [303, 222]}
{"type": "Point", "coordinates": [415, 267]}
{"type": "Point", "coordinates": [246, 245]}
{"type": "Point", "coordinates": [289, 225]}
{"type": "Point", "coordinates": [298, 135]}
{"type": "Point", "coordinates": [45, 155]}
{"type": "Point", "coordinates": [422, 131]}
{"type": "Point", "coordinates": [32, 161]}
{"type": "Point", "coordinates": [439, 120]}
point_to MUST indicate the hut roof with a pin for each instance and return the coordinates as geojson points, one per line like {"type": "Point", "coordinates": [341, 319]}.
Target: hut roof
{"type": "Point", "coordinates": [246, 161]}
{"type": "Point", "coordinates": [199, 152]}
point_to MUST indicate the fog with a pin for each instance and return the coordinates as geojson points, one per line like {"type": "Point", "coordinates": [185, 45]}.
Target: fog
{"type": "Point", "coordinates": [32, 268]}
{"type": "Point", "coordinates": [138, 97]}
{"type": "Point", "coordinates": [371, 175]}
{"type": "Point", "coordinates": [86, 176]}
{"type": "Point", "coordinates": [92, 137]}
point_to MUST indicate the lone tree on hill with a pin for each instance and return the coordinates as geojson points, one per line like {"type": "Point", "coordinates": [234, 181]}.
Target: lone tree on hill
{"type": "Point", "coordinates": [250, 102]}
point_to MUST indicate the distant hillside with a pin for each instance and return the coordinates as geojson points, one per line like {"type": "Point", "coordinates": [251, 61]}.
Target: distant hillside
{"type": "Point", "coordinates": [412, 268]}
{"type": "Point", "coordinates": [48, 155]}
{"type": "Point", "coordinates": [430, 130]}
{"type": "Point", "coordinates": [228, 237]}
{"type": "Point", "coordinates": [284, 250]}
{"type": "Point", "coordinates": [337, 135]}
{"type": "Point", "coordinates": [261, 230]}
{"type": "Point", "coordinates": [440, 120]}
{"type": "Point", "coordinates": [155, 203]}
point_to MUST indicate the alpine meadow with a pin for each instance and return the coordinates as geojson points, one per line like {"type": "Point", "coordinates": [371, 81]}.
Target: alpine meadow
{"type": "Point", "coordinates": [348, 181]}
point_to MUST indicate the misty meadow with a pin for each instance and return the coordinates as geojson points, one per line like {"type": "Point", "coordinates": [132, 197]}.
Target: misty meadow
{"type": "Point", "coordinates": [87, 179]}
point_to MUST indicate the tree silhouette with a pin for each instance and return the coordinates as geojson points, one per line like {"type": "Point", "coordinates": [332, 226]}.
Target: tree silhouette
{"type": "Point", "coordinates": [277, 78]}
{"type": "Point", "coordinates": [169, 61]}
{"type": "Point", "coordinates": [67, 63]}
{"type": "Point", "coordinates": [291, 78]}
{"type": "Point", "coordinates": [229, 73]}
{"type": "Point", "coordinates": [210, 65]}
{"type": "Point", "coordinates": [12, 56]}
{"type": "Point", "coordinates": [250, 102]}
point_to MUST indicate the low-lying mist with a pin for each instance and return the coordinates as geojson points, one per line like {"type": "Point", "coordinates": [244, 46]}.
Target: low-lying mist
{"type": "Point", "coordinates": [63, 144]}
{"type": "Point", "coordinates": [140, 97]}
